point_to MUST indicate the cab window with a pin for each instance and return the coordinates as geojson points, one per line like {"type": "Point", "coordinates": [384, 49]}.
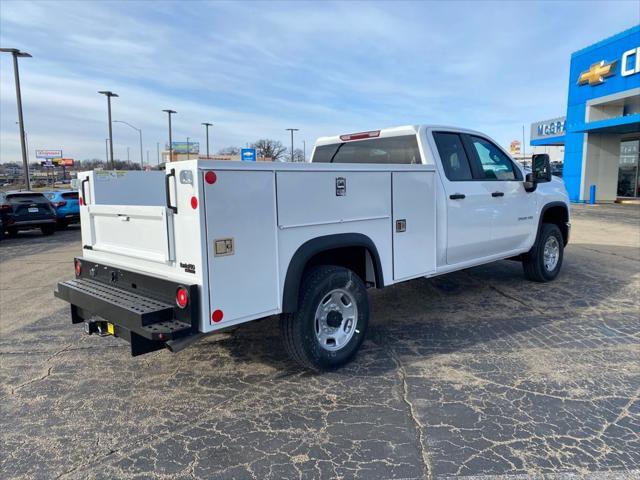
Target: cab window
{"type": "Point", "coordinates": [453, 156]}
{"type": "Point", "coordinates": [494, 164]}
{"type": "Point", "coordinates": [388, 150]}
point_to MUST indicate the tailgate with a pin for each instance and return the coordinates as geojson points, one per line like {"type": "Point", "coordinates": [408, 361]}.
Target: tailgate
{"type": "Point", "coordinates": [144, 232]}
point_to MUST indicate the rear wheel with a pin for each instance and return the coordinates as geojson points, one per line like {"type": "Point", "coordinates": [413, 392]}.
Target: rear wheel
{"type": "Point", "coordinates": [12, 232]}
{"type": "Point", "coordinates": [332, 319]}
{"type": "Point", "coordinates": [48, 229]}
{"type": "Point", "coordinates": [544, 260]}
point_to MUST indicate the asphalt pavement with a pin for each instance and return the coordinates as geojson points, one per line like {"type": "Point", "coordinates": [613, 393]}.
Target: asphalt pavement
{"type": "Point", "coordinates": [478, 374]}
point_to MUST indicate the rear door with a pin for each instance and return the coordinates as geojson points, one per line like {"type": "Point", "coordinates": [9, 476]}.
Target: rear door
{"type": "Point", "coordinates": [30, 207]}
{"type": "Point", "coordinates": [469, 208]}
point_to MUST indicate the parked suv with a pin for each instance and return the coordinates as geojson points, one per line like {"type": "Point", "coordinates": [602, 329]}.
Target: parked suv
{"type": "Point", "coordinates": [67, 206]}
{"type": "Point", "coordinates": [26, 211]}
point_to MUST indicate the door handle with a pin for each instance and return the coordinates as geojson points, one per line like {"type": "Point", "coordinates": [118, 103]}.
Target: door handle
{"type": "Point", "coordinates": [497, 194]}
{"type": "Point", "coordinates": [168, 190]}
{"type": "Point", "coordinates": [457, 196]}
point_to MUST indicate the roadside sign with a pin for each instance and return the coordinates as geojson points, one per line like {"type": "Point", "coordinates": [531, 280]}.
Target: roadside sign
{"type": "Point", "coordinates": [48, 153]}
{"type": "Point", "coordinates": [67, 162]}
{"type": "Point", "coordinates": [248, 154]}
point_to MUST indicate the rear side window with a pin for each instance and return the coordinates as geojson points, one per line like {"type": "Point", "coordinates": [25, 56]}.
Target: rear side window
{"type": "Point", "coordinates": [27, 198]}
{"type": "Point", "coordinates": [389, 150]}
{"type": "Point", "coordinates": [454, 158]}
{"type": "Point", "coordinates": [70, 195]}
{"type": "Point", "coordinates": [495, 164]}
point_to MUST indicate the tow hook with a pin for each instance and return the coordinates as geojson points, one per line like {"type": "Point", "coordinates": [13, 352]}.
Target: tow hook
{"type": "Point", "coordinates": [99, 328]}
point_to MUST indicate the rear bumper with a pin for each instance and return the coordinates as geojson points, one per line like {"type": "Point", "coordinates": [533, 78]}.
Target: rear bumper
{"type": "Point", "coordinates": [31, 223]}
{"type": "Point", "coordinates": [147, 318]}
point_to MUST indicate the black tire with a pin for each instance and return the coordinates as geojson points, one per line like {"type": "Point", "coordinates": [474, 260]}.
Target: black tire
{"type": "Point", "coordinates": [534, 261]}
{"type": "Point", "coordinates": [48, 229]}
{"type": "Point", "coordinates": [299, 328]}
{"type": "Point", "coordinates": [12, 233]}
{"type": "Point", "coordinates": [62, 225]}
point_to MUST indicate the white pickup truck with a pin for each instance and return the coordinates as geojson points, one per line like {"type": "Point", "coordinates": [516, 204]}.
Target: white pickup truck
{"type": "Point", "coordinates": [169, 257]}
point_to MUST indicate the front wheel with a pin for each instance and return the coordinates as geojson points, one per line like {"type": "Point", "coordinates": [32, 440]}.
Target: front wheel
{"type": "Point", "coordinates": [544, 260]}
{"type": "Point", "coordinates": [331, 321]}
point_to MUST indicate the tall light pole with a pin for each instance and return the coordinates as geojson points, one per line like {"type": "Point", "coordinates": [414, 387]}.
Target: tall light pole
{"type": "Point", "coordinates": [139, 130]}
{"type": "Point", "coordinates": [15, 53]}
{"type": "Point", "coordinates": [207, 125]}
{"type": "Point", "coordinates": [304, 151]}
{"type": "Point", "coordinates": [188, 148]}
{"type": "Point", "coordinates": [170, 112]}
{"type": "Point", "coordinates": [158, 152]}
{"type": "Point", "coordinates": [292, 130]}
{"type": "Point", "coordinates": [109, 94]}
{"type": "Point", "coordinates": [106, 152]}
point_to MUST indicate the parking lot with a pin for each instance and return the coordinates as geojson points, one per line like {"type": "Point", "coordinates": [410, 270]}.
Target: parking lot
{"type": "Point", "coordinates": [477, 374]}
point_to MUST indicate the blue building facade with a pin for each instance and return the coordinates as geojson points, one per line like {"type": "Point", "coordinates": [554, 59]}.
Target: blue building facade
{"type": "Point", "coordinates": [601, 131]}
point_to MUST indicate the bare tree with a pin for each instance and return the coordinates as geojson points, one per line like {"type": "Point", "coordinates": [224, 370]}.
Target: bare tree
{"type": "Point", "coordinates": [229, 151]}
{"type": "Point", "coordinates": [268, 148]}
{"type": "Point", "coordinates": [298, 155]}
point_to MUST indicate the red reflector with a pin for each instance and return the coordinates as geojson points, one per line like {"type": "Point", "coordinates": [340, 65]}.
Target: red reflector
{"type": "Point", "coordinates": [217, 316]}
{"type": "Point", "coordinates": [78, 266]}
{"type": "Point", "coordinates": [210, 178]}
{"type": "Point", "coordinates": [194, 202]}
{"type": "Point", "coordinates": [182, 297]}
{"type": "Point", "coordinates": [81, 201]}
{"type": "Point", "coordinates": [360, 136]}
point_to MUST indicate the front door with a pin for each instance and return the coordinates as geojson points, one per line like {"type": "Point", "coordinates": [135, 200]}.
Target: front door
{"type": "Point", "coordinates": [628, 169]}
{"type": "Point", "coordinates": [514, 209]}
{"type": "Point", "coordinates": [469, 209]}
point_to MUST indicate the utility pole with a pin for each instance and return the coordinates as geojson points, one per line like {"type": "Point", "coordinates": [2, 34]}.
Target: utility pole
{"type": "Point", "coordinates": [139, 130]}
{"type": "Point", "coordinates": [106, 152]}
{"type": "Point", "coordinates": [109, 94]}
{"type": "Point", "coordinates": [207, 125]}
{"type": "Point", "coordinates": [304, 151]}
{"type": "Point", "coordinates": [169, 113]}
{"type": "Point", "coordinates": [188, 148]}
{"type": "Point", "coordinates": [292, 130]}
{"type": "Point", "coordinates": [158, 152]}
{"type": "Point", "coordinates": [15, 53]}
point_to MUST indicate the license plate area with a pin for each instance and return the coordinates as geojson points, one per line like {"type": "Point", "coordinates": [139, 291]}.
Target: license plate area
{"type": "Point", "coordinates": [32, 209]}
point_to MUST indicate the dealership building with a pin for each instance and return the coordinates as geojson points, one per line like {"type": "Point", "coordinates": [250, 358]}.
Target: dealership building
{"type": "Point", "coordinates": [601, 130]}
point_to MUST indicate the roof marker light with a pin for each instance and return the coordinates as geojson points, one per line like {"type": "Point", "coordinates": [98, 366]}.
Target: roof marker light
{"type": "Point", "coordinates": [360, 135]}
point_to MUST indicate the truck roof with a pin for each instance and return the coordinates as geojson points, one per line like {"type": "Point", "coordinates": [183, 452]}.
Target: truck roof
{"type": "Point", "coordinates": [383, 132]}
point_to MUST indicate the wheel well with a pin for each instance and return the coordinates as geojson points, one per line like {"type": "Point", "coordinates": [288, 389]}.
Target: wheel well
{"type": "Point", "coordinates": [558, 215]}
{"type": "Point", "coordinates": [353, 251]}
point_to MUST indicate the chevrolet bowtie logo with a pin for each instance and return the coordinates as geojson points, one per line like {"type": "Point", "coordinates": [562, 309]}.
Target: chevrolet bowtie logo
{"type": "Point", "coordinates": [597, 73]}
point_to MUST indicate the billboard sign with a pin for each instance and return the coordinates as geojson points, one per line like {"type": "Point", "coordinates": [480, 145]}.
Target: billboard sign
{"type": "Point", "coordinates": [48, 153]}
{"type": "Point", "coordinates": [66, 162]}
{"type": "Point", "coordinates": [184, 147]}
{"type": "Point", "coordinates": [514, 148]}
{"type": "Point", "coordinates": [248, 154]}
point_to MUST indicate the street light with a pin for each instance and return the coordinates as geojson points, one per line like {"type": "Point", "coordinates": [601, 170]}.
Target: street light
{"type": "Point", "coordinates": [15, 53]}
{"type": "Point", "coordinates": [207, 125]}
{"type": "Point", "coordinates": [109, 94]}
{"type": "Point", "coordinates": [292, 130]}
{"type": "Point", "coordinates": [106, 152]}
{"type": "Point", "coordinates": [170, 112]}
{"type": "Point", "coordinates": [139, 130]}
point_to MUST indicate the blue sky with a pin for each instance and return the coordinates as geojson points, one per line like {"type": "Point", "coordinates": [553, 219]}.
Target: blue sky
{"type": "Point", "coordinates": [255, 68]}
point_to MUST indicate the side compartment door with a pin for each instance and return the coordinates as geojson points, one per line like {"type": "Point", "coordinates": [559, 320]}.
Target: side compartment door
{"type": "Point", "coordinates": [414, 224]}
{"type": "Point", "coordinates": [240, 216]}
{"type": "Point", "coordinates": [469, 208]}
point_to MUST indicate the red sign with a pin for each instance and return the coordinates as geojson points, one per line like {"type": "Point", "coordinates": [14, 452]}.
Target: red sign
{"type": "Point", "coordinates": [67, 162]}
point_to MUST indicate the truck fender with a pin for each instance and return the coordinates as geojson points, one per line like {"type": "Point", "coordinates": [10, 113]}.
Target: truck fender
{"type": "Point", "coordinates": [311, 248]}
{"type": "Point", "coordinates": [546, 207]}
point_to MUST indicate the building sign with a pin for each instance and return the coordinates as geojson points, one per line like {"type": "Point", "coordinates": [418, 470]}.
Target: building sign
{"type": "Point", "coordinates": [248, 154]}
{"type": "Point", "coordinates": [48, 153]}
{"type": "Point", "coordinates": [185, 147]}
{"type": "Point", "coordinates": [67, 162]}
{"type": "Point", "coordinates": [595, 75]}
{"type": "Point", "coordinates": [514, 148]}
{"type": "Point", "coordinates": [548, 128]}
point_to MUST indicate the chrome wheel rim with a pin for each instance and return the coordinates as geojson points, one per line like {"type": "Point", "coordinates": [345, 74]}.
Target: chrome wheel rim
{"type": "Point", "coordinates": [335, 319]}
{"type": "Point", "coordinates": [551, 253]}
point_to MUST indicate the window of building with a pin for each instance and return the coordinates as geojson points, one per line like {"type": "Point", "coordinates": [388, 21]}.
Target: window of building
{"type": "Point", "coordinates": [453, 156]}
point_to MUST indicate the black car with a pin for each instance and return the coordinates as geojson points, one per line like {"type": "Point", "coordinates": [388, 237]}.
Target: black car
{"type": "Point", "coordinates": [25, 211]}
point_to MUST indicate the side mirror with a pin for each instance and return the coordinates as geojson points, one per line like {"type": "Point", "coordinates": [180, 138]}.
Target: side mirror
{"type": "Point", "coordinates": [541, 168]}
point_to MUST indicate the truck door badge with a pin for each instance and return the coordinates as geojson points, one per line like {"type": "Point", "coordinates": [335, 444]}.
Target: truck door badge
{"type": "Point", "coordinates": [341, 186]}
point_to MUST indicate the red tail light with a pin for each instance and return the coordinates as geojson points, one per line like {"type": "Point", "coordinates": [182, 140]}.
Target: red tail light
{"type": "Point", "coordinates": [182, 297]}
{"type": "Point", "coordinates": [5, 208]}
{"type": "Point", "coordinates": [78, 267]}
